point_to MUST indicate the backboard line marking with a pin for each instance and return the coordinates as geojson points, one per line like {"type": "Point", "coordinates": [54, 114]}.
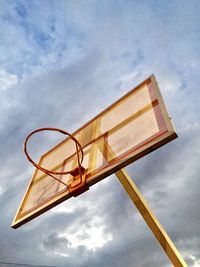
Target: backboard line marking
{"type": "Point", "coordinates": [93, 149]}
{"type": "Point", "coordinates": [46, 187]}
{"type": "Point", "coordinates": [38, 179]}
{"type": "Point", "coordinates": [162, 105]}
{"type": "Point", "coordinates": [159, 118]}
{"type": "Point", "coordinates": [134, 116]}
{"type": "Point", "coordinates": [74, 160]}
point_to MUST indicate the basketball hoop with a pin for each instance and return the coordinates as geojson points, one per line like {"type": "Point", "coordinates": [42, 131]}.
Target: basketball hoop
{"type": "Point", "coordinates": [78, 170]}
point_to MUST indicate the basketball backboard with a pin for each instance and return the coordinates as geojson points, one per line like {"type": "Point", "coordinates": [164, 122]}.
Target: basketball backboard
{"type": "Point", "coordinates": [132, 127]}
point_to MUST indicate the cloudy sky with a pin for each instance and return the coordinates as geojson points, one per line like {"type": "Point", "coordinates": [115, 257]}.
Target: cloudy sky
{"type": "Point", "coordinates": [61, 63]}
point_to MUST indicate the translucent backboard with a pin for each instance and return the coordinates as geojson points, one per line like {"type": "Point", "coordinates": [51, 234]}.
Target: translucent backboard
{"type": "Point", "coordinates": [130, 128]}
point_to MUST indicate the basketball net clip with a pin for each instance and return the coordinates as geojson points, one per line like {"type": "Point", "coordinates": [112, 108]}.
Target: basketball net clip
{"type": "Point", "coordinates": [78, 185]}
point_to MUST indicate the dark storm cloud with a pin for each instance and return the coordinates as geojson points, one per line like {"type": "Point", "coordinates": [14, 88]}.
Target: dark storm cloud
{"type": "Point", "coordinates": [53, 241]}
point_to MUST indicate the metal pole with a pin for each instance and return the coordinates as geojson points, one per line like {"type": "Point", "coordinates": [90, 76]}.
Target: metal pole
{"type": "Point", "coordinates": [153, 223]}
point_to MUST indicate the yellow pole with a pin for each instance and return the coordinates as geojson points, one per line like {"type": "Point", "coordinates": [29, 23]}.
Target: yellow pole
{"type": "Point", "coordinates": [153, 223]}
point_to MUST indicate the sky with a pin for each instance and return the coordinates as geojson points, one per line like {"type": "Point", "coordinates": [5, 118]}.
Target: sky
{"type": "Point", "coordinates": [61, 63]}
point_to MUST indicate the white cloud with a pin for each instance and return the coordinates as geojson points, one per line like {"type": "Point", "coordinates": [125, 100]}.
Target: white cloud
{"type": "Point", "coordinates": [7, 79]}
{"type": "Point", "coordinates": [172, 84]}
{"type": "Point", "coordinates": [92, 235]}
{"type": "Point", "coordinates": [1, 190]}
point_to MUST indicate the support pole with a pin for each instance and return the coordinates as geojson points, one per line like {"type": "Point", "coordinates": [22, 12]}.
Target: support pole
{"type": "Point", "coordinates": [153, 223]}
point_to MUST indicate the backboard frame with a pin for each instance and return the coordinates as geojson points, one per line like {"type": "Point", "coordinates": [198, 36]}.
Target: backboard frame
{"type": "Point", "coordinates": [141, 151]}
